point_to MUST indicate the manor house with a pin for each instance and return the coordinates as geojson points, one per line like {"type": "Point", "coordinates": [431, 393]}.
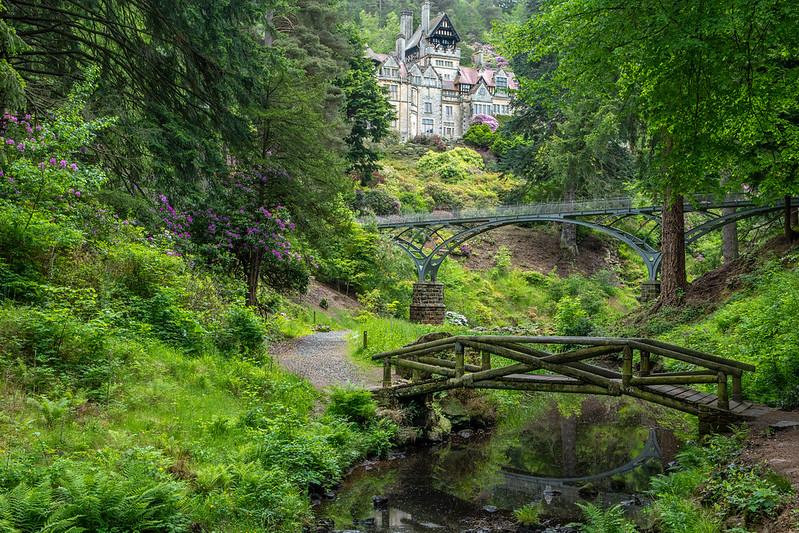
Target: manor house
{"type": "Point", "coordinates": [429, 89]}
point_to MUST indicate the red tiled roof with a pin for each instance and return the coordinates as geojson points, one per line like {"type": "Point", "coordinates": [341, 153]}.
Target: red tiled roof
{"type": "Point", "coordinates": [472, 77]}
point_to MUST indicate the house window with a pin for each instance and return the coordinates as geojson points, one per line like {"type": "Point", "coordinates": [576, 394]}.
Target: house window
{"type": "Point", "coordinates": [502, 82]}
{"type": "Point", "coordinates": [428, 107]}
{"type": "Point", "coordinates": [449, 129]}
{"type": "Point", "coordinates": [416, 80]}
{"type": "Point", "coordinates": [393, 91]}
{"type": "Point", "coordinates": [448, 111]}
{"type": "Point", "coordinates": [465, 88]}
{"type": "Point", "coordinates": [427, 125]}
{"type": "Point", "coordinates": [430, 81]}
{"type": "Point", "coordinates": [481, 109]}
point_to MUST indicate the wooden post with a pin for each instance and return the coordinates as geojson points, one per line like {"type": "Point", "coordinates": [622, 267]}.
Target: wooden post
{"type": "Point", "coordinates": [645, 366]}
{"type": "Point", "coordinates": [737, 391]}
{"type": "Point", "coordinates": [486, 361]}
{"type": "Point", "coordinates": [386, 372]}
{"type": "Point", "coordinates": [724, 401]}
{"type": "Point", "coordinates": [459, 352]}
{"type": "Point", "coordinates": [365, 339]}
{"type": "Point", "coordinates": [314, 316]}
{"type": "Point", "coordinates": [627, 366]}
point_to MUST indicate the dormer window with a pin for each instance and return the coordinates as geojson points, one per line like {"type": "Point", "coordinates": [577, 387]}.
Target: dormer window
{"type": "Point", "coordinates": [502, 82]}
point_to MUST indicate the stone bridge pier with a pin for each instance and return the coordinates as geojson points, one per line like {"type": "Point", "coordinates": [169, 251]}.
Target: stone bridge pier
{"type": "Point", "coordinates": [427, 304]}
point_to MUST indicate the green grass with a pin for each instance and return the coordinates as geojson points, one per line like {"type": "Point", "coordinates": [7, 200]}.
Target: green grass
{"type": "Point", "coordinates": [384, 334]}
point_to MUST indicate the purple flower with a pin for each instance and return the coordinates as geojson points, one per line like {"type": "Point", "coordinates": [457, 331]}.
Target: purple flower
{"type": "Point", "coordinates": [42, 165]}
{"type": "Point", "coordinates": [77, 194]}
{"type": "Point", "coordinates": [10, 141]}
{"type": "Point", "coordinates": [63, 163]}
{"type": "Point", "coordinates": [53, 161]}
{"type": "Point", "coordinates": [74, 166]}
{"type": "Point", "coordinates": [21, 147]}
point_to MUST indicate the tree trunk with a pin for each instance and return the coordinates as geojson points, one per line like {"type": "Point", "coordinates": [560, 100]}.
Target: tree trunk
{"type": "Point", "coordinates": [673, 278]}
{"type": "Point", "coordinates": [789, 234]}
{"type": "Point", "coordinates": [568, 232]}
{"type": "Point", "coordinates": [795, 218]}
{"type": "Point", "coordinates": [568, 445]}
{"type": "Point", "coordinates": [729, 238]}
{"type": "Point", "coordinates": [253, 276]}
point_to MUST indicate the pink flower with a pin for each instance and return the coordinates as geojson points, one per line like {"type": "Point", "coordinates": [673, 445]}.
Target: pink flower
{"type": "Point", "coordinates": [77, 194]}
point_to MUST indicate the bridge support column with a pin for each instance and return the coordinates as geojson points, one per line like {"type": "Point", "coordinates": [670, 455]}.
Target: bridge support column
{"type": "Point", "coordinates": [427, 306]}
{"type": "Point", "coordinates": [650, 290]}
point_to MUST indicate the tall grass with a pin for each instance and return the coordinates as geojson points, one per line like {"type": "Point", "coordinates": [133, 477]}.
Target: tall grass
{"type": "Point", "coordinates": [384, 334]}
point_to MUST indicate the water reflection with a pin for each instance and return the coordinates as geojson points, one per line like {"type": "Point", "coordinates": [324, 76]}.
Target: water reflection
{"type": "Point", "coordinates": [556, 454]}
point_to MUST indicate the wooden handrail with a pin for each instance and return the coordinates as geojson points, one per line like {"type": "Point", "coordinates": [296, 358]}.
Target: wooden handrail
{"type": "Point", "coordinates": [698, 354]}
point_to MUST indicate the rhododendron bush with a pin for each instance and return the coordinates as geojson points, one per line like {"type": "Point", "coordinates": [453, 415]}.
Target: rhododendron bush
{"type": "Point", "coordinates": [242, 225]}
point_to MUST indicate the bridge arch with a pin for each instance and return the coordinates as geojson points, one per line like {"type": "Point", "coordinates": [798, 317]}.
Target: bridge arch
{"type": "Point", "coordinates": [428, 263]}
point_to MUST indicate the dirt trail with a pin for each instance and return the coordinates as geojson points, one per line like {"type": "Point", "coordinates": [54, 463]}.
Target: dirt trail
{"type": "Point", "coordinates": [322, 358]}
{"type": "Point", "coordinates": [779, 449]}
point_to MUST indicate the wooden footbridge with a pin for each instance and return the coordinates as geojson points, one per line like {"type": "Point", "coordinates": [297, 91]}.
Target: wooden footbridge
{"type": "Point", "coordinates": [522, 363]}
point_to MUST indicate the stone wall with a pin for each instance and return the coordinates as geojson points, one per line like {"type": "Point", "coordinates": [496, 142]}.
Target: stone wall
{"type": "Point", "coordinates": [650, 290]}
{"type": "Point", "coordinates": [427, 306]}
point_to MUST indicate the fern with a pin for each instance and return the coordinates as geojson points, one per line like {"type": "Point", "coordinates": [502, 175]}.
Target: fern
{"type": "Point", "coordinates": [610, 520]}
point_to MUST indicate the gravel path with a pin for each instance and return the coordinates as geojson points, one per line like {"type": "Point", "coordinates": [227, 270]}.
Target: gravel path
{"type": "Point", "coordinates": [322, 358]}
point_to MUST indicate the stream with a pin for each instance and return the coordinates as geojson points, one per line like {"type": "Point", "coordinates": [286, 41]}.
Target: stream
{"type": "Point", "coordinates": [553, 454]}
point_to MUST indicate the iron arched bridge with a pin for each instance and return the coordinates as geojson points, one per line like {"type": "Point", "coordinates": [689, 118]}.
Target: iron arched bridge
{"type": "Point", "coordinates": [430, 238]}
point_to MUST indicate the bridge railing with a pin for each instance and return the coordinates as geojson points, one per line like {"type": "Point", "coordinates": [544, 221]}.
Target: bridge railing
{"type": "Point", "coordinates": [568, 370]}
{"type": "Point", "coordinates": [597, 205]}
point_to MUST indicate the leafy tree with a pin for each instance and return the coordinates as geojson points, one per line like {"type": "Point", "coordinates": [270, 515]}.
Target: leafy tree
{"type": "Point", "coordinates": [369, 114]}
{"type": "Point", "coordinates": [707, 85]}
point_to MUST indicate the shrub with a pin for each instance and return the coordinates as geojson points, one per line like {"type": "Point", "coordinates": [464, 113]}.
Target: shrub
{"type": "Point", "coordinates": [502, 261]}
{"type": "Point", "coordinates": [171, 323]}
{"type": "Point", "coordinates": [241, 331]}
{"type": "Point", "coordinates": [487, 120]}
{"type": "Point", "coordinates": [480, 136]}
{"type": "Point", "coordinates": [451, 166]}
{"type": "Point", "coordinates": [570, 318]}
{"type": "Point", "coordinates": [376, 201]}
{"type": "Point", "coordinates": [353, 405]}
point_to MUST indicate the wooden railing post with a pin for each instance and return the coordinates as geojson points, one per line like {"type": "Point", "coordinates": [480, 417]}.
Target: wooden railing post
{"type": "Point", "coordinates": [486, 361]}
{"type": "Point", "coordinates": [386, 372]}
{"type": "Point", "coordinates": [627, 366]}
{"type": "Point", "coordinates": [737, 391]}
{"type": "Point", "coordinates": [459, 352]}
{"type": "Point", "coordinates": [645, 365]}
{"type": "Point", "coordinates": [724, 401]}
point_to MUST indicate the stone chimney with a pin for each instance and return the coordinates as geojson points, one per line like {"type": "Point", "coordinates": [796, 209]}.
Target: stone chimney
{"type": "Point", "coordinates": [406, 23]}
{"type": "Point", "coordinates": [425, 17]}
{"type": "Point", "coordinates": [401, 47]}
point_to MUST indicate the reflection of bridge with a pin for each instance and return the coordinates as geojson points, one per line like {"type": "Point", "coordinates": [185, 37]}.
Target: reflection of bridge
{"type": "Point", "coordinates": [442, 365]}
{"type": "Point", "coordinates": [429, 238]}
{"type": "Point", "coordinates": [525, 480]}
